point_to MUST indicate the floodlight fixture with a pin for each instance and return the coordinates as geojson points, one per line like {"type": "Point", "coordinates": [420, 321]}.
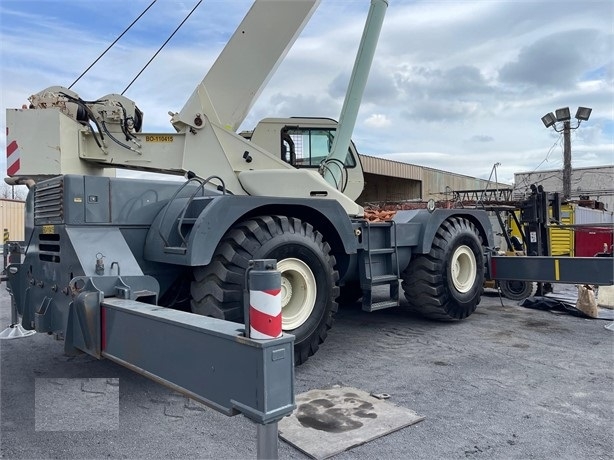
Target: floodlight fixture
{"type": "Point", "coordinates": [583, 113]}
{"type": "Point", "coordinates": [563, 114]}
{"type": "Point", "coordinates": [548, 120]}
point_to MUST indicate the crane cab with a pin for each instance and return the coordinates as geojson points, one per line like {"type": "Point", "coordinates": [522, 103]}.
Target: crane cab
{"type": "Point", "coordinates": [306, 143]}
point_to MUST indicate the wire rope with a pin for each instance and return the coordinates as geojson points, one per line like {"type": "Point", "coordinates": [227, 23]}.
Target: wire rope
{"type": "Point", "coordinates": [111, 45]}
{"type": "Point", "coordinates": [160, 49]}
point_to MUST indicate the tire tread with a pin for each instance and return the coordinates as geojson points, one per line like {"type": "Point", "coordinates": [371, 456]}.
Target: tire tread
{"type": "Point", "coordinates": [423, 280]}
{"type": "Point", "coordinates": [217, 289]}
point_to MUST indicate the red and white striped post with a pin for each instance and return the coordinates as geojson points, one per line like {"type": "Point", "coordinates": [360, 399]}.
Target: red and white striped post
{"type": "Point", "coordinates": [263, 319]}
{"type": "Point", "coordinates": [262, 311]}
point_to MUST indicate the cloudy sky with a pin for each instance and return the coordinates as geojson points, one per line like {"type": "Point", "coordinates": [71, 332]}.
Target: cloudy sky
{"type": "Point", "coordinates": [456, 85]}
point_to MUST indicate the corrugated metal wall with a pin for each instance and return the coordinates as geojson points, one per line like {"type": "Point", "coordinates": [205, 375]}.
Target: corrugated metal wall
{"type": "Point", "coordinates": [387, 180]}
{"type": "Point", "coordinates": [389, 168]}
{"type": "Point", "coordinates": [12, 218]}
{"type": "Point", "coordinates": [595, 182]}
{"type": "Point", "coordinates": [562, 240]}
{"type": "Point", "coordinates": [436, 183]}
{"type": "Point", "coordinates": [388, 189]}
{"type": "Point", "coordinates": [592, 216]}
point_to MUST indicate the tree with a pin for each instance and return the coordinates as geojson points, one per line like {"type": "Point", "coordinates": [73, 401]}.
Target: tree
{"type": "Point", "coordinates": [17, 192]}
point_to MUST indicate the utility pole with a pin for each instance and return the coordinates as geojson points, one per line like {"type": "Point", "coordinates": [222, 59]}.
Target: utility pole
{"type": "Point", "coordinates": [564, 116]}
{"type": "Point", "coordinates": [566, 160]}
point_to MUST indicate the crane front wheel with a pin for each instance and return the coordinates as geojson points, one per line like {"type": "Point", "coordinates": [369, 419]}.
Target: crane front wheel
{"type": "Point", "coordinates": [298, 293]}
{"type": "Point", "coordinates": [308, 277]}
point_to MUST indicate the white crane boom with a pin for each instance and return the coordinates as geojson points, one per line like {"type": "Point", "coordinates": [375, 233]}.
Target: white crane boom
{"type": "Point", "coordinates": [246, 63]}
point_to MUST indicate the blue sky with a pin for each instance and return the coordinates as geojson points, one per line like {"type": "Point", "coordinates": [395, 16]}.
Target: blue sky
{"type": "Point", "coordinates": [456, 85]}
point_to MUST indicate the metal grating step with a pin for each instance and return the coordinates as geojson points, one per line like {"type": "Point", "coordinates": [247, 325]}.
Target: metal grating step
{"type": "Point", "coordinates": [174, 250]}
{"type": "Point", "coordinates": [384, 279]}
{"type": "Point", "coordinates": [380, 305]}
{"type": "Point", "coordinates": [382, 251]}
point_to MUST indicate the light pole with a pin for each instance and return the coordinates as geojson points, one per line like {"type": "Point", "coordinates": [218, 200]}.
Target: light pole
{"type": "Point", "coordinates": [564, 116]}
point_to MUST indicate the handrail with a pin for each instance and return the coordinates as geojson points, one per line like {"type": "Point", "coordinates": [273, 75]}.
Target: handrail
{"type": "Point", "coordinates": [185, 209]}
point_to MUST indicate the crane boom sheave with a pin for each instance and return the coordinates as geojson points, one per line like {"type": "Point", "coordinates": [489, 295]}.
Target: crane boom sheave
{"type": "Point", "coordinates": [247, 62]}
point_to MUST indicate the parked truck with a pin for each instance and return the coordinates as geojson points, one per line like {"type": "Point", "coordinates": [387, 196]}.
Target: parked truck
{"type": "Point", "coordinates": [284, 191]}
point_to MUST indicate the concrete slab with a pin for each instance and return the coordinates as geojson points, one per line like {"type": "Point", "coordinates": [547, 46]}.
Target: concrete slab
{"type": "Point", "coordinates": [327, 422]}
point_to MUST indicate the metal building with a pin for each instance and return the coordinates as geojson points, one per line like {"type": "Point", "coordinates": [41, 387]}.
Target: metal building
{"type": "Point", "coordinates": [387, 180]}
{"type": "Point", "coordinates": [594, 183]}
{"type": "Point", "coordinates": [392, 181]}
{"type": "Point", "coordinates": [12, 218]}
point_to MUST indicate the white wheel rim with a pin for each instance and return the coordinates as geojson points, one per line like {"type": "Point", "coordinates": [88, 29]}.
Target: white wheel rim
{"type": "Point", "coordinates": [298, 293]}
{"type": "Point", "coordinates": [463, 269]}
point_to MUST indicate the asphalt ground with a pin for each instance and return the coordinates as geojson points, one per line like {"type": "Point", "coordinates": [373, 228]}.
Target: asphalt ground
{"type": "Point", "coordinates": [506, 383]}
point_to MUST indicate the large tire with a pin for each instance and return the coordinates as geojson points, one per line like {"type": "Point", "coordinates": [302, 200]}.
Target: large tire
{"type": "Point", "coordinates": [447, 282]}
{"type": "Point", "coordinates": [517, 290]}
{"type": "Point", "coordinates": [309, 277]}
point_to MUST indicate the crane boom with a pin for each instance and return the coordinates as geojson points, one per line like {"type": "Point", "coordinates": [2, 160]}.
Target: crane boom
{"type": "Point", "coordinates": [246, 63]}
{"type": "Point", "coordinates": [356, 88]}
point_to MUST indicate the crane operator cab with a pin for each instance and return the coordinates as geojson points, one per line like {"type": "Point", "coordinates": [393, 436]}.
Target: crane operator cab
{"type": "Point", "coordinates": [307, 143]}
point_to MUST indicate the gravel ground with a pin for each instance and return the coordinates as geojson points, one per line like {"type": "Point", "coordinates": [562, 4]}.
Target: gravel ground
{"type": "Point", "coordinates": [507, 383]}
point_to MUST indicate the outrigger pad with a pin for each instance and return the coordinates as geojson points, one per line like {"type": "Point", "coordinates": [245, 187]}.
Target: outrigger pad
{"type": "Point", "coordinates": [327, 422]}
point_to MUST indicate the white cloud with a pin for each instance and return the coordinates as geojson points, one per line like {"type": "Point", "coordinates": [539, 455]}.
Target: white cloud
{"type": "Point", "coordinates": [378, 120]}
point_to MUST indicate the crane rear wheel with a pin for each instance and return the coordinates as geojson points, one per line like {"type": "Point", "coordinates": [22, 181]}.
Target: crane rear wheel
{"type": "Point", "coordinates": [447, 282]}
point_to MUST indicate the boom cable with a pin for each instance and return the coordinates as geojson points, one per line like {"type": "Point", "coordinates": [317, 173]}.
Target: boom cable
{"type": "Point", "coordinates": [163, 45]}
{"type": "Point", "coordinates": [111, 45]}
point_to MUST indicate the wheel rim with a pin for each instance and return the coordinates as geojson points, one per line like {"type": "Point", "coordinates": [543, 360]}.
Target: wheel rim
{"type": "Point", "coordinates": [298, 293]}
{"type": "Point", "coordinates": [463, 269]}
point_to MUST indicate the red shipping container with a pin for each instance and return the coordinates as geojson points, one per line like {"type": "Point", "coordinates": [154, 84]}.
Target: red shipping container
{"type": "Point", "coordinates": [589, 241]}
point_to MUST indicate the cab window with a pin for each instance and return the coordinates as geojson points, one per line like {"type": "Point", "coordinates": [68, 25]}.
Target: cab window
{"type": "Point", "coordinates": [308, 147]}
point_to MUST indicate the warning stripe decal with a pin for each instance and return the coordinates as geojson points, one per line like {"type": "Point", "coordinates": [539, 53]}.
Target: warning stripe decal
{"type": "Point", "coordinates": [263, 325]}
{"type": "Point", "coordinates": [12, 158]}
{"type": "Point", "coordinates": [265, 319]}
{"type": "Point", "coordinates": [265, 302]}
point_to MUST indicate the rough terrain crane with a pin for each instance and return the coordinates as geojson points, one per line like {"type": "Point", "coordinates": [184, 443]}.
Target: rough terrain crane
{"type": "Point", "coordinates": [283, 191]}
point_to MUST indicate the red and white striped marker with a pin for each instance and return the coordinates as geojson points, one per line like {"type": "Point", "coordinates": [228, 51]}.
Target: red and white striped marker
{"type": "Point", "coordinates": [263, 317]}
{"type": "Point", "coordinates": [12, 159]}
{"type": "Point", "coordinates": [265, 314]}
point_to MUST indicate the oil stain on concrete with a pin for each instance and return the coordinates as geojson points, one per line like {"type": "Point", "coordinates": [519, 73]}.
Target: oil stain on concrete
{"type": "Point", "coordinates": [327, 422]}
